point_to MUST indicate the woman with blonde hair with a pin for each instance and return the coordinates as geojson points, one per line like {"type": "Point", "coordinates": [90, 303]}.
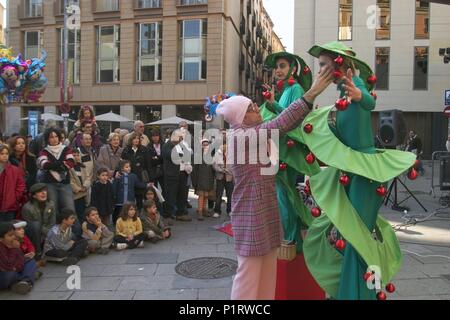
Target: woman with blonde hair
{"type": "Point", "coordinates": [110, 154]}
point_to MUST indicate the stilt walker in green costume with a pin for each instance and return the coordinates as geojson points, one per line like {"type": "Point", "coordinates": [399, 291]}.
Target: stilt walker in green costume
{"type": "Point", "coordinates": [349, 245]}
{"type": "Point", "coordinates": [294, 78]}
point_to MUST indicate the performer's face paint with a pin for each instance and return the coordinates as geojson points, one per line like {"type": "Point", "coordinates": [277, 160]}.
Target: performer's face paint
{"type": "Point", "coordinates": [282, 68]}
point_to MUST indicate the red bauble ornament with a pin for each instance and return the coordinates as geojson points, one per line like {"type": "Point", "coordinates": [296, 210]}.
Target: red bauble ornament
{"type": "Point", "coordinates": [344, 180]}
{"type": "Point", "coordinates": [307, 190]}
{"type": "Point", "coordinates": [372, 80]}
{"type": "Point", "coordinates": [416, 164]}
{"type": "Point", "coordinates": [367, 276]}
{"type": "Point", "coordinates": [310, 158]}
{"type": "Point", "coordinates": [267, 95]}
{"type": "Point", "coordinates": [308, 128]}
{"type": "Point", "coordinates": [290, 144]}
{"type": "Point", "coordinates": [306, 70]}
{"type": "Point", "coordinates": [381, 295]}
{"type": "Point", "coordinates": [283, 166]}
{"type": "Point", "coordinates": [292, 81]}
{"type": "Point", "coordinates": [280, 85]}
{"type": "Point", "coordinates": [381, 191]}
{"type": "Point", "coordinates": [337, 74]}
{"type": "Point", "coordinates": [390, 288]}
{"type": "Point", "coordinates": [316, 212]}
{"type": "Point", "coordinates": [374, 95]}
{"type": "Point", "coordinates": [342, 104]}
{"type": "Point", "coordinates": [412, 175]}
{"type": "Point", "coordinates": [339, 61]}
{"type": "Point", "coordinates": [340, 244]}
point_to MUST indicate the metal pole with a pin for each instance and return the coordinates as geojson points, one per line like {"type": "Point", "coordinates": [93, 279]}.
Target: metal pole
{"type": "Point", "coordinates": [66, 58]}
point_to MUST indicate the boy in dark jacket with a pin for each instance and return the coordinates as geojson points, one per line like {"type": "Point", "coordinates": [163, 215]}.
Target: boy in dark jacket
{"type": "Point", "coordinates": [102, 196]}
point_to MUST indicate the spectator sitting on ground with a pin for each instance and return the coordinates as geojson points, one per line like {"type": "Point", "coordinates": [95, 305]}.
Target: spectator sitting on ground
{"type": "Point", "coordinates": [60, 245]}
{"type": "Point", "coordinates": [153, 224]}
{"type": "Point", "coordinates": [150, 194]}
{"type": "Point", "coordinates": [16, 273]}
{"type": "Point", "coordinates": [39, 213]}
{"type": "Point", "coordinates": [129, 232]}
{"type": "Point", "coordinates": [26, 246]}
{"type": "Point", "coordinates": [98, 235]}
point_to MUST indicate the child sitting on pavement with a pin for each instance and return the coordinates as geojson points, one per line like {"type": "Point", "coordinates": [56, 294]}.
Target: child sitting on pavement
{"type": "Point", "coordinates": [98, 235]}
{"type": "Point", "coordinates": [153, 224]}
{"type": "Point", "coordinates": [60, 245]}
{"type": "Point", "coordinates": [16, 273]}
{"type": "Point", "coordinates": [129, 233]}
{"type": "Point", "coordinates": [26, 246]}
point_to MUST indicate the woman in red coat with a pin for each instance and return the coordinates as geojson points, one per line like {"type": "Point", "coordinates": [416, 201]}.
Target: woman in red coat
{"type": "Point", "coordinates": [12, 187]}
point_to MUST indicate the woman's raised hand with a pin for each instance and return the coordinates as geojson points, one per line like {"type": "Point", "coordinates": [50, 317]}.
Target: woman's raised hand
{"type": "Point", "coordinates": [322, 81]}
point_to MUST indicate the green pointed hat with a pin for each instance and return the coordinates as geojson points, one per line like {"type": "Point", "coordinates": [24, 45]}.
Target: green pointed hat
{"type": "Point", "coordinates": [345, 52]}
{"type": "Point", "coordinates": [303, 76]}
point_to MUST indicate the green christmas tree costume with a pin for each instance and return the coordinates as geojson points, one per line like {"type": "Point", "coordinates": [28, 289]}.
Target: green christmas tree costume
{"type": "Point", "coordinates": [352, 210]}
{"type": "Point", "coordinates": [294, 214]}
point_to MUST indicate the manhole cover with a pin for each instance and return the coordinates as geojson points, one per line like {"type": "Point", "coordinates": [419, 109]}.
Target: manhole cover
{"type": "Point", "coordinates": [207, 268]}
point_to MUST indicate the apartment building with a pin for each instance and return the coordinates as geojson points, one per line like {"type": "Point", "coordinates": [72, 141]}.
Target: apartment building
{"type": "Point", "coordinates": [401, 43]}
{"type": "Point", "coordinates": [144, 59]}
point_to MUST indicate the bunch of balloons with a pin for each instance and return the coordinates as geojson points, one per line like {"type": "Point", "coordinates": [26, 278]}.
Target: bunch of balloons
{"type": "Point", "coordinates": [21, 80]}
{"type": "Point", "coordinates": [212, 103]}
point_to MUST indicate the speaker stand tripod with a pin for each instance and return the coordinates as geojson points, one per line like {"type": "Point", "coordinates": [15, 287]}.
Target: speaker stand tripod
{"type": "Point", "coordinates": [395, 204]}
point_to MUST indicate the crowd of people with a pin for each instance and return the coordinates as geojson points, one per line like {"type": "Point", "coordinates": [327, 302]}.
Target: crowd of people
{"type": "Point", "coordinates": [63, 197]}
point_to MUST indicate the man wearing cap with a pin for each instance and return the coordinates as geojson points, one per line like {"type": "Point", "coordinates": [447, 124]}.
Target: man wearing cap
{"type": "Point", "coordinates": [40, 215]}
{"type": "Point", "coordinates": [255, 214]}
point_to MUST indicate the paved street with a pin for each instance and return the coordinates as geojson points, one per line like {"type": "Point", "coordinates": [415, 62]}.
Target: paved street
{"type": "Point", "coordinates": [149, 273]}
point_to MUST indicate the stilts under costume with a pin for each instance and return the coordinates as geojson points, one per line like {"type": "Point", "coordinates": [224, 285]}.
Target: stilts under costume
{"type": "Point", "coordinates": [292, 151]}
{"type": "Point", "coordinates": [349, 241]}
